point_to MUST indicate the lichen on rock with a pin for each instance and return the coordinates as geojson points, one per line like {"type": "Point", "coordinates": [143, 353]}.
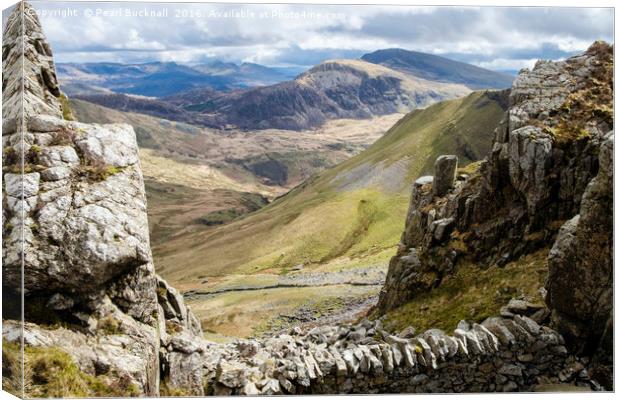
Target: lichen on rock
{"type": "Point", "coordinates": [75, 226]}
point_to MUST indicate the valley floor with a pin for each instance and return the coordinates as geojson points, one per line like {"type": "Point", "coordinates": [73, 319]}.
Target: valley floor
{"type": "Point", "coordinates": [262, 304]}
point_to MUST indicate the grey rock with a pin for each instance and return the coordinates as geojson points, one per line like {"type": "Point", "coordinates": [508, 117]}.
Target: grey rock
{"type": "Point", "coordinates": [511, 370]}
{"type": "Point", "coordinates": [113, 144]}
{"type": "Point", "coordinates": [232, 373]}
{"type": "Point", "coordinates": [528, 324]}
{"type": "Point", "coordinates": [445, 174]}
{"type": "Point", "coordinates": [250, 389]}
{"type": "Point", "coordinates": [419, 379]}
{"type": "Point", "coordinates": [357, 335]}
{"type": "Point", "coordinates": [442, 228]}
{"type": "Point", "coordinates": [407, 333]}
{"type": "Point", "coordinates": [59, 156]}
{"type": "Point", "coordinates": [185, 372]}
{"type": "Point", "coordinates": [45, 123]}
{"type": "Point", "coordinates": [271, 387]}
{"type": "Point", "coordinates": [510, 387]}
{"type": "Point", "coordinates": [429, 357]}
{"type": "Point", "coordinates": [409, 355]}
{"type": "Point", "coordinates": [56, 173]}
{"type": "Point", "coordinates": [423, 180]}
{"type": "Point", "coordinates": [351, 361]}
{"type": "Point", "coordinates": [497, 327]}
{"type": "Point", "coordinates": [397, 355]}
{"type": "Point", "coordinates": [18, 185]}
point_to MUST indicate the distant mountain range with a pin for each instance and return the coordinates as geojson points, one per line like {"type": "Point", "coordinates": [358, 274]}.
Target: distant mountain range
{"type": "Point", "coordinates": [253, 96]}
{"type": "Point", "coordinates": [159, 79]}
{"type": "Point", "coordinates": [436, 68]}
{"type": "Point", "coordinates": [330, 90]}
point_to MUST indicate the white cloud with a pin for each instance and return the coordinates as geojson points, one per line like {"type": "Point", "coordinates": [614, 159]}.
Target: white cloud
{"type": "Point", "coordinates": [494, 37]}
{"type": "Point", "coordinates": [507, 64]}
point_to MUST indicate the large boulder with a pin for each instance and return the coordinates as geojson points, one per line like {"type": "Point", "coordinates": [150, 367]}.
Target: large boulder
{"type": "Point", "coordinates": [85, 217]}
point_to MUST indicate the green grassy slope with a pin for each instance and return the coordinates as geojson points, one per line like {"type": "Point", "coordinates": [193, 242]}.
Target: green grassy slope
{"type": "Point", "coordinates": [354, 211]}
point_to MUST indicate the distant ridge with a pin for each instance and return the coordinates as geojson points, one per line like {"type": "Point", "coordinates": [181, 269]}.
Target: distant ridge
{"type": "Point", "coordinates": [437, 68]}
{"type": "Point", "coordinates": [331, 90]}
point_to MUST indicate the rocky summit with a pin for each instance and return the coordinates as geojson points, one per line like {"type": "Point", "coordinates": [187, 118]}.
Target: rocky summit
{"type": "Point", "coordinates": [98, 321]}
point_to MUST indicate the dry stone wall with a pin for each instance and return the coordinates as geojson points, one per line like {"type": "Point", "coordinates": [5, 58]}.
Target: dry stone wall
{"type": "Point", "coordinates": [501, 354]}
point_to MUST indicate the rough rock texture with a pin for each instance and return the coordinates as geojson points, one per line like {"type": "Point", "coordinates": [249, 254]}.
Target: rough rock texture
{"type": "Point", "coordinates": [501, 354]}
{"type": "Point", "coordinates": [580, 282]}
{"type": "Point", "coordinates": [75, 216]}
{"type": "Point", "coordinates": [27, 62]}
{"type": "Point", "coordinates": [545, 160]}
{"type": "Point", "coordinates": [445, 174]}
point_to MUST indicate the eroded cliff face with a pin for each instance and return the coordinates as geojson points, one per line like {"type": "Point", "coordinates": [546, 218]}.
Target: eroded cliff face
{"type": "Point", "coordinates": [550, 168]}
{"type": "Point", "coordinates": [75, 225]}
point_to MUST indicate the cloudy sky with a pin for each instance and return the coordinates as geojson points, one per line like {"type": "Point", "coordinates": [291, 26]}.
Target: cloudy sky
{"type": "Point", "coordinates": [500, 38]}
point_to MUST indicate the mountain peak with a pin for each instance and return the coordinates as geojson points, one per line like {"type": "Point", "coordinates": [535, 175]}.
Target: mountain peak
{"type": "Point", "coordinates": [438, 68]}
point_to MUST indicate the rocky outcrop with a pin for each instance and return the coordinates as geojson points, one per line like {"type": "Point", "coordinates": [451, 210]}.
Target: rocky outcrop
{"type": "Point", "coordinates": [550, 167]}
{"type": "Point", "coordinates": [580, 282]}
{"type": "Point", "coordinates": [29, 83]}
{"type": "Point", "coordinates": [76, 234]}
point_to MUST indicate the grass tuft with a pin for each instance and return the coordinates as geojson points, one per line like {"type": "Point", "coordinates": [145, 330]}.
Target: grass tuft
{"type": "Point", "coordinates": [98, 171]}
{"type": "Point", "coordinates": [51, 372]}
{"type": "Point", "coordinates": [67, 113]}
{"type": "Point", "coordinates": [9, 156]}
{"type": "Point", "coordinates": [109, 324]}
{"type": "Point", "coordinates": [64, 137]}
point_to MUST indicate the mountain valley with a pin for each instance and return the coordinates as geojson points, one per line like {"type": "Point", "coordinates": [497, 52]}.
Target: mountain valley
{"type": "Point", "coordinates": [399, 223]}
{"type": "Point", "coordinates": [234, 173]}
{"type": "Point", "coordinates": [347, 218]}
{"type": "Point", "coordinates": [198, 174]}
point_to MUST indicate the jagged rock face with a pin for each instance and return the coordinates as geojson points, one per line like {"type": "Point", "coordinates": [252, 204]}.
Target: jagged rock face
{"type": "Point", "coordinates": [541, 172]}
{"type": "Point", "coordinates": [544, 154]}
{"type": "Point", "coordinates": [27, 62]}
{"type": "Point", "coordinates": [580, 282]}
{"type": "Point", "coordinates": [75, 216]}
